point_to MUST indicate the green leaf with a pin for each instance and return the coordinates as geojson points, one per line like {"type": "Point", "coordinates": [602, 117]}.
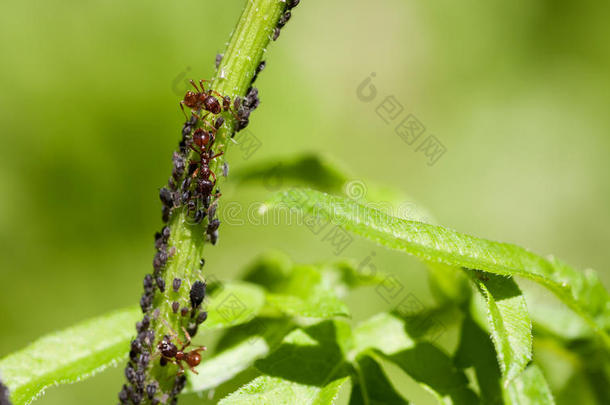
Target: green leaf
{"type": "Point", "coordinates": [312, 170]}
{"type": "Point", "coordinates": [530, 388]}
{"type": "Point", "coordinates": [511, 328]}
{"type": "Point", "coordinates": [345, 275]}
{"type": "Point", "coordinates": [373, 386]}
{"type": "Point", "coordinates": [477, 351]}
{"type": "Point", "coordinates": [307, 169]}
{"type": "Point", "coordinates": [296, 290]}
{"type": "Point", "coordinates": [387, 335]}
{"type": "Point", "coordinates": [582, 292]}
{"type": "Point", "coordinates": [434, 369]}
{"type": "Point", "coordinates": [307, 368]}
{"type": "Point", "coordinates": [383, 332]}
{"type": "Point", "coordinates": [550, 315]}
{"type": "Point", "coordinates": [83, 350]}
{"type": "Point", "coordinates": [227, 364]}
{"type": "Point", "coordinates": [236, 303]}
{"type": "Point", "coordinates": [270, 270]}
{"type": "Point", "coordinates": [267, 390]}
{"type": "Point", "coordinates": [319, 350]}
{"type": "Point", "coordinates": [239, 347]}
{"type": "Point", "coordinates": [276, 272]}
{"type": "Point", "coordinates": [320, 304]}
{"type": "Point", "coordinates": [449, 285]}
{"type": "Point", "coordinates": [69, 355]}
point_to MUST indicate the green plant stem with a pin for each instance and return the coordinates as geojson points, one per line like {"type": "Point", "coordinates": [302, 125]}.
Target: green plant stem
{"type": "Point", "coordinates": [233, 78]}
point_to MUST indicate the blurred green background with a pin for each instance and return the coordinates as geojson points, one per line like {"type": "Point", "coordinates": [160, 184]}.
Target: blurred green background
{"type": "Point", "coordinates": [517, 92]}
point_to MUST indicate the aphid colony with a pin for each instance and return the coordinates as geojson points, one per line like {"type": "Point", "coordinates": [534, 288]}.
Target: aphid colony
{"type": "Point", "coordinates": [143, 348]}
{"type": "Point", "coordinates": [290, 4]}
{"type": "Point", "coordinates": [193, 181]}
{"type": "Point", "coordinates": [192, 186]}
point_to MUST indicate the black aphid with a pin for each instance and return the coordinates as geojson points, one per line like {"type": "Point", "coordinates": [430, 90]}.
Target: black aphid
{"type": "Point", "coordinates": [165, 232]}
{"type": "Point", "coordinates": [124, 394]}
{"type": "Point", "coordinates": [218, 123]}
{"type": "Point", "coordinates": [202, 317]}
{"type": "Point", "coordinates": [213, 225]}
{"type": "Point", "coordinates": [197, 293]}
{"type": "Point", "coordinates": [136, 346]}
{"type": "Point", "coordinates": [199, 216]}
{"type": "Point", "coordinates": [151, 389]}
{"type": "Point", "coordinates": [213, 237]}
{"type": "Point", "coordinates": [161, 284]}
{"type": "Point", "coordinates": [284, 19]}
{"type": "Point", "coordinates": [144, 360]}
{"type": "Point", "coordinates": [130, 373]}
{"type": "Point", "coordinates": [146, 302]}
{"type": "Point", "coordinates": [165, 213]}
{"type": "Point", "coordinates": [176, 284]}
{"type": "Point", "coordinates": [144, 324]}
{"type": "Point", "coordinates": [192, 328]}
{"type": "Point", "coordinates": [136, 398]}
{"type": "Point", "coordinates": [259, 69]}
{"type": "Point", "coordinates": [179, 384]}
{"type": "Point", "coordinates": [148, 283]}
{"type": "Point", "coordinates": [140, 378]}
{"type": "Point", "coordinates": [160, 260]}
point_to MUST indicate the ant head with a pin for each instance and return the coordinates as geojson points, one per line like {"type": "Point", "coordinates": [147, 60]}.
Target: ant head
{"type": "Point", "coordinates": [166, 347]}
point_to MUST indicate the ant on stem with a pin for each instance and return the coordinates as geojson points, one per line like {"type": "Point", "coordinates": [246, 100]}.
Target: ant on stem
{"type": "Point", "coordinates": [202, 99]}
{"type": "Point", "coordinates": [170, 352]}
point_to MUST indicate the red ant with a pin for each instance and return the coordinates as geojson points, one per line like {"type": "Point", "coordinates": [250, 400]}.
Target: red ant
{"type": "Point", "coordinates": [202, 99]}
{"type": "Point", "coordinates": [169, 352]}
{"type": "Point", "coordinates": [200, 169]}
{"type": "Point", "coordinates": [202, 139]}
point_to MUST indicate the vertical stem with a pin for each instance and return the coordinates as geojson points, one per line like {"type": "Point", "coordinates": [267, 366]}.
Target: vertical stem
{"type": "Point", "coordinates": [247, 46]}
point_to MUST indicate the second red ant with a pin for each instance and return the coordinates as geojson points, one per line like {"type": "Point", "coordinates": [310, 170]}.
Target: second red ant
{"type": "Point", "coordinates": [170, 352]}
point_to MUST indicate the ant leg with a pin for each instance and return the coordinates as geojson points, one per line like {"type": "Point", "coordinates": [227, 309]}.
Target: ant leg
{"type": "Point", "coordinates": [174, 334]}
{"type": "Point", "coordinates": [188, 337]}
{"type": "Point", "coordinates": [234, 114]}
{"type": "Point", "coordinates": [179, 364]}
{"type": "Point", "coordinates": [195, 86]}
{"type": "Point", "coordinates": [214, 203]}
{"type": "Point", "coordinates": [201, 84]}
{"type": "Point", "coordinates": [194, 148]}
{"type": "Point", "coordinates": [193, 370]}
{"type": "Point", "coordinates": [216, 93]}
{"type": "Point", "coordinates": [183, 112]}
{"type": "Point", "coordinates": [210, 126]}
{"type": "Point", "coordinates": [217, 155]}
{"type": "Point", "coordinates": [196, 115]}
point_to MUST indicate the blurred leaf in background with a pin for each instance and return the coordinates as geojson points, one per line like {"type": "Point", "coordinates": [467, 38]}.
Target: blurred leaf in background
{"type": "Point", "coordinates": [517, 93]}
